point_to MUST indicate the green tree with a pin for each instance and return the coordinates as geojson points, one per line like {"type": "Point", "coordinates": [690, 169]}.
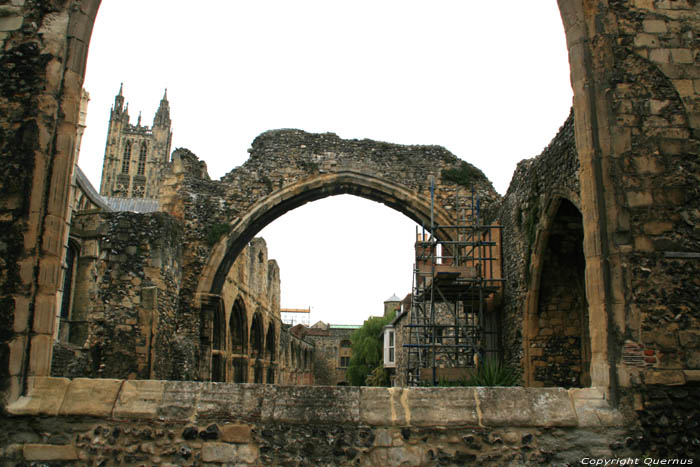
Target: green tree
{"type": "Point", "coordinates": [367, 349]}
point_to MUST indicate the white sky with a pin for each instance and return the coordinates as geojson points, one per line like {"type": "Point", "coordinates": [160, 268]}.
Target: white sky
{"type": "Point", "coordinates": [487, 80]}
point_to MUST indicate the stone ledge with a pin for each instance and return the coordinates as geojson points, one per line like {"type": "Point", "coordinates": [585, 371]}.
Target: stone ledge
{"type": "Point", "coordinates": [139, 399]}
{"type": "Point", "coordinates": [517, 406]}
{"type": "Point", "coordinates": [91, 397]}
{"type": "Point", "coordinates": [238, 404]}
{"type": "Point", "coordinates": [44, 397]}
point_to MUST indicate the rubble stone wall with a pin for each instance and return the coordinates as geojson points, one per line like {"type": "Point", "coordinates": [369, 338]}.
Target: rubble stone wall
{"type": "Point", "coordinates": [126, 297]}
{"type": "Point", "coordinates": [537, 186]}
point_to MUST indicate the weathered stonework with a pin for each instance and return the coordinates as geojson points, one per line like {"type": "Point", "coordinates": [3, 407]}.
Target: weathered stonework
{"type": "Point", "coordinates": [247, 424]}
{"type": "Point", "coordinates": [635, 76]}
{"type": "Point", "coordinates": [125, 303]}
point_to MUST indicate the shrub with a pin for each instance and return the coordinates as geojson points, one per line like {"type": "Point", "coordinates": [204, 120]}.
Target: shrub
{"type": "Point", "coordinates": [464, 175]}
{"type": "Point", "coordinates": [216, 231]}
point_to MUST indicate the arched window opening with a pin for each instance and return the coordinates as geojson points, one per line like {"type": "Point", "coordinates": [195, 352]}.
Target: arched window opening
{"type": "Point", "coordinates": [141, 170]}
{"type": "Point", "coordinates": [256, 335]}
{"type": "Point", "coordinates": [217, 368]}
{"type": "Point", "coordinates": [240, 370]}
{"type": "Point", "coordinates": [238, 328]}
{"type": "Point", "coordinates": [218, 329]}
{"type": "Point", "coordinates": [559, 346]}
{"type": "Point", "coordinates": [270, 342]}
{"type": "Point", "coordinates": [69, 278]}
{"type": "Point", "coordinates": [258, 373]}
{"type": "Point", "coordinates": [126, 161]}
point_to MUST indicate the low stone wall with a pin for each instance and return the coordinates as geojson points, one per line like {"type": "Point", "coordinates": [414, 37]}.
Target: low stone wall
{"type": "Point", "coordinates": [87, 421]}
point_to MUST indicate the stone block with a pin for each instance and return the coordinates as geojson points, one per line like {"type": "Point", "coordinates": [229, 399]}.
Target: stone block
{"type": "Point", "coordinates": [17, 346]}
{"type": "Point", "coordinates": [654, 26]}
{"type": "Point", "coordinates": [637, 199]}
{"type": "Point", "coordinates": [230, 454]}
{"type": "Point", "coordinates": [179, 400]}
{"type": "Point", "coordinates": [657, 227]}
{"type": "Point", "coordinates": [233, 401]}
{"type": "Point", "coordinates": [235, 433]}
{"type": "Point", "coordinates": [49, 452]}
{"type": "Point", "coordinates": [52, 242]}
{"type": "Point", "coordinates": [442, 406]}
{"type": "Point", "coordinates": [40, 355]}
{"type": "Point", "coordinates": [49, 274]}
{"type": "Point", "coordinates": [317, 404]}
{"type": "Point", "coordinates": [10, 22]}
{"type": "Point", "coordinates": [682, 55]}
{"type": "Point", "coordinates": [516, 406]}
{"type": "Point", "coordinates": [689, 339]}
{"type": "Point", "coordinates": [646, 40]}
{"type": "Point", "coordinates": [44, 314]}
{"type": "Point", "coordinates": [383, 406]}
{"type": "Point", "coordinates": [645, 4]}
{"type": "Point", "coordinates": [664, 377]}
{"type": "Point", "coordinates": [139, 399]}
{"type": "Point", "coordinates": [93, 397]}
{"type": "Point", "coordinates": [643, 244]}
{"type": "Point", "coordinates": [77, 56]}
{"type": "Point", "coordinates": [660, 56]}
{"type": "Point", "coordinates": [44, 397]}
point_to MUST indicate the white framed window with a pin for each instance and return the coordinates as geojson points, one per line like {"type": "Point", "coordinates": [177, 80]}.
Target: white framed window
{"type": "Point", "coordinates": [389, 347]}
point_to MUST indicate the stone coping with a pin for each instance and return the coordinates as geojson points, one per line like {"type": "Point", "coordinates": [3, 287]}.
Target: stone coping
{"type": "Point", "coordinates": [197, 402]}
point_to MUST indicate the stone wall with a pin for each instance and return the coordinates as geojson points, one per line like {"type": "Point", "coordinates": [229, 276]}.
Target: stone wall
{"type": "Point", "coordinates": [125, 302]}
{"type": "Point", "coordinates": [532, 200]}
{"type": "Point", "coordinates": [328, 351]}
{"type": "Point", "coordinates": [253, 340]}
{"type": "Point", "coordinates": [158, 422]}
{"type": "Point", "coordinates": [670, 421]}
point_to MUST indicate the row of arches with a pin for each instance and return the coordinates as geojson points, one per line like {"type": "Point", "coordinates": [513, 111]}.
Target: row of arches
{"type": "Point", "coordinates": [237, 347]}
{"type": "Point", "coordinates": [245, 348]}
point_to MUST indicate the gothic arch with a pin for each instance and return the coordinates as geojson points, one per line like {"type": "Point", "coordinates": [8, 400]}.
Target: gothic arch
{"type": "Point", "coordinates": [257, 337]}
{"type": "Point", "coordinates": [47, 142]}
{"type": "Point", "coordinates": [238, 328]}
{"type": "Point", "coordinates": [561, 212]}
{"type": "Point", "coordinates": [276, 204]}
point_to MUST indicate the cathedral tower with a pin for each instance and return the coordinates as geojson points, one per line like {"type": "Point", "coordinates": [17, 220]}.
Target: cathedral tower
{"type": "Point", "coordinates": [135, 154]}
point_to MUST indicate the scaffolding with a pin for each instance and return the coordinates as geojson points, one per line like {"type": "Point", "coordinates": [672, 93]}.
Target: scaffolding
{"type": "Point", "coordinates": [456, 276]}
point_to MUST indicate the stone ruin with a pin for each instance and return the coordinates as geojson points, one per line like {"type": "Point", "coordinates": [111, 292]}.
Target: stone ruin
{"type": "Point", "coordinates": [600, 252]}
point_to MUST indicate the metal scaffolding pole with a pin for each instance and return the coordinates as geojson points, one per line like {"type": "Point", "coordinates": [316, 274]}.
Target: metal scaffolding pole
{"type": "Point", "coordinates": [453, 277]}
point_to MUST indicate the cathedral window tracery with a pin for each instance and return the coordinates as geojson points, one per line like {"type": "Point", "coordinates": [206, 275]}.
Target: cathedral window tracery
{"type": "Point", "coordinates": [127, 158]}
{"type": "Point", "coordinates": [142, 160]}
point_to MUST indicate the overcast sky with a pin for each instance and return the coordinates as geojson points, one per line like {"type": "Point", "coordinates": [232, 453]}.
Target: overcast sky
{"type": "Point", "coordinates": [487, 80]}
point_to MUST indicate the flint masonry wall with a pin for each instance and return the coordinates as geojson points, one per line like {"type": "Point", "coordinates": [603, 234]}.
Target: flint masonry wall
{"type": "Point", "coordinates": [159, 423]}
{"type": "Point", "coordinates": [536, 184]}
{"type": "Point", "coordinates": [126, 298]}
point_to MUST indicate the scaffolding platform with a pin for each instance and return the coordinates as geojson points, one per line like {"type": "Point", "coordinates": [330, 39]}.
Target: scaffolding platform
{"type": "Point", "coordinates": [451, 328]}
